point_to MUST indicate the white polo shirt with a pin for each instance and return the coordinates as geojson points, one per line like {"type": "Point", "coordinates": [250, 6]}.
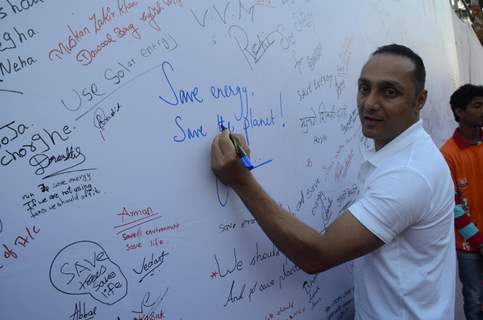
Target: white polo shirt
{"type": "Point", "coordinates": [407, 201]}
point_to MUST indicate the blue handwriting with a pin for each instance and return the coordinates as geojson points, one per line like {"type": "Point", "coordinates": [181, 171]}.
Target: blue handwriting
{"type": "Point", "coordinates": [182, 96]}
{"type": "Point", "coordinates": [189, 134]}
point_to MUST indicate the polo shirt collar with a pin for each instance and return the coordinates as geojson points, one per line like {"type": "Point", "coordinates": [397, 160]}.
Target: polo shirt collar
{"type": "Point", "coordinates": [405, 138]}
{"type": "Point", "coordinates": [461, 142]}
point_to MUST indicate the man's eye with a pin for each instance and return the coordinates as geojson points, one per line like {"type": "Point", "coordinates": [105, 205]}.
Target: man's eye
{"type": "Point", "coordinates": [390, 92]}
{"type": "Point", "coordinates": [363, 89]}
{"type": "Point", "coordinates": [475, 106]}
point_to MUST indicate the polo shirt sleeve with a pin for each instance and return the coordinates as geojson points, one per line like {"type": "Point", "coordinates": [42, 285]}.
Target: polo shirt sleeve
{"type": "Point", "coordinates": [392, 202]}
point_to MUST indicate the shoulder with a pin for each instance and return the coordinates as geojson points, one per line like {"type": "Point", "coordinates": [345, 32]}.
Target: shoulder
{"type": "Point", "coordinates": [449, 147]}
{"type": "Point", "coordinates": [431, 162]}
{"type": "Point", "coordinates": [400, 177]}
{"type": "Point", "coordinates": [421, 162]}
{"type": "Point", "coordinates": [392, 200]}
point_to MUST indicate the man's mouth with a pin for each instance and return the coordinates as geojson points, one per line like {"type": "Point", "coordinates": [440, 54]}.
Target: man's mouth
{"type": "Point", "coordinates": [371, 120]}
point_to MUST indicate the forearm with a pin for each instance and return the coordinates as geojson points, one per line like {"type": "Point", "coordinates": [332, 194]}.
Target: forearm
{"type": "Point", "coordinates": [467, 228]}
{"type": "Point", "coordinates": [345, 239]}
{"type": "Point", "coordinates": [299, 242]}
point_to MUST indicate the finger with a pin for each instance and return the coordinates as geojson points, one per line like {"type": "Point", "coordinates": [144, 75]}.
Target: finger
{"type": "Point", "coordinates": [241, 141]}
{"type": "Point", "coordinates": [226, 145]}
{"type": "Point", "coordinates": [216, 154]}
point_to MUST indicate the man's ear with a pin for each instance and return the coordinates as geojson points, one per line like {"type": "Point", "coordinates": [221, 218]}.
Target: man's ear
{"type": "Point", "coordinates": [458, 112]}
{"type": "Point", "coordinates": [421, 99]}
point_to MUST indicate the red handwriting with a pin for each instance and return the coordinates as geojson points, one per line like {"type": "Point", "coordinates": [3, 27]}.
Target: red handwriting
{"type": "Point", "coordinates": [97, 26]}
{"type": "Point", "coordinates": [85, 56]}
{"type": "Point", "coordinates": [9, 253]}
{"type": "Point", "coordinates": [286, 311]}
{"type": "Point", "coordinates": [152, 12]}
{"type": "Point", "coordinates": [144, 212]}
{"type": "Point", "coordinates": [20, 241]}
{"type": "Point", "coordinates": [73, 38]}
{"type": "Point", "coordinates": [23, 241]}
{"type": "Point", "coordinates": [137, 234]}
{"type": "Point", "coordinates": [343, 168]}
{"type": "Point", "coordinates": [129, 29]}
{"type": "Point", "coordinates": [140, 237]}
{"type": "Point", "coordinates": [156, 230]}
{"type": "Point", "coordinates": [157, 242]}
{"type": "Point", "coordinates": [133, 246]}
{"type": "Point", "coordinates": [106, 16]}
{"type": "Point", "coordinates": [124, 6]}
{"type": "Point", "coordinates": [151, 316]}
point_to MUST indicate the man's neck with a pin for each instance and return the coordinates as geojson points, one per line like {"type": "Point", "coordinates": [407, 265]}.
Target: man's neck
{"type": "Point", "coordinates": [470, 133]}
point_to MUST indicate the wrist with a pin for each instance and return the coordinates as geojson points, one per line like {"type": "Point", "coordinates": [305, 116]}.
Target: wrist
{"type": "Point", "coordinates": [245, 183]}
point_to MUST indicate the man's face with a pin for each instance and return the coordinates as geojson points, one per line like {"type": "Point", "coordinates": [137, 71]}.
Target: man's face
{"type": "Point", "coordinates": [472, 115]}
{"type": "Point", "coordinates": [388, 99]}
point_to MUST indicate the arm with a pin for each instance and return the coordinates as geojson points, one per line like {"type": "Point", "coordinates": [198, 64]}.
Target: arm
{"type": "Point", "coordinates": [345, 239]}
{"type": "Point", "coordinates": [465, 225]}
{"type": "Point", "coordinates": [463, 222]}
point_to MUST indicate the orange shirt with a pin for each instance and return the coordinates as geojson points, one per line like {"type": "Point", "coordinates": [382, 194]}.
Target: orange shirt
{"type": "Point", "coordinates": [465, 161]}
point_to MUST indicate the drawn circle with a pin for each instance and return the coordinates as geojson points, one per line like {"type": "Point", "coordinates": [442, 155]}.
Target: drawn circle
{"type": "Point", "coordinates": [219, 192]}
{"type": "Point", "coordinates": [67, 252]}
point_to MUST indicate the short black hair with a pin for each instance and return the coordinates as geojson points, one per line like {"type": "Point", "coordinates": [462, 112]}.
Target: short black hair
{"type": "Point", "coordinates": [463, 96]}
{"type": "Point", "coordinates": [400, 50]}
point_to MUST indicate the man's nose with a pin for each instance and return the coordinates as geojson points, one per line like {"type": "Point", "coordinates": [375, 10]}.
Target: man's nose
{"type": "Point", "coordinates": [372, 101]}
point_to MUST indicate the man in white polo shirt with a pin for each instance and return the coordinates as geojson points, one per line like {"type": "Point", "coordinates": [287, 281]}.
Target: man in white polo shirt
{"type": "Point", "coordinates": [401, 226]}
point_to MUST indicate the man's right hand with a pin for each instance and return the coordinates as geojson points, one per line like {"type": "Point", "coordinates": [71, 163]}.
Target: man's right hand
{"type": "Point", "coordinates": [224, 161]}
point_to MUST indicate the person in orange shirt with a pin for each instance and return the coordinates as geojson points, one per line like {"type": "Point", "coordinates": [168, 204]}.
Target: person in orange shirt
{"type": "Point", "coordinates": [464, 154]}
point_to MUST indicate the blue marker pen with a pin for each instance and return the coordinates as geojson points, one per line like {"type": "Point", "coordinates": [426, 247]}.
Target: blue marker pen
{"type": "Point", "coordinates": [245, 160]}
